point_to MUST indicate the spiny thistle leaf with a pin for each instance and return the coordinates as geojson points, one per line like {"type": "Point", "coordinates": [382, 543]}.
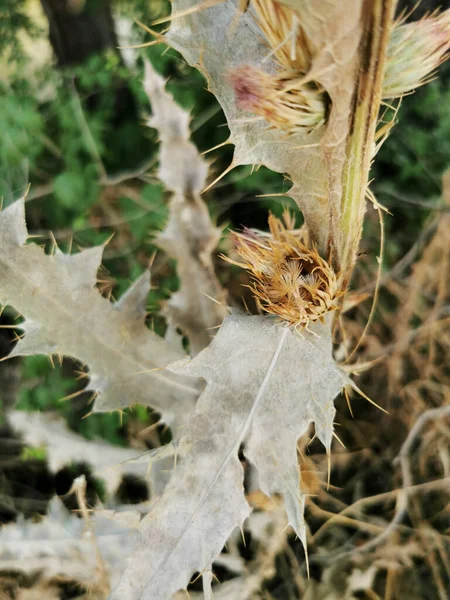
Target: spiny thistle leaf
{"type": "Point", "coordinates": [56, 547]}
{"type": "Point", "coordinates": [285, 75]}
{"type": "Point", "coordinates": [63, 446]}
{"type": "Point", "coordinates": [65, 314]}
{"type": "Point", "coordinates": [262, 378]}
{"type": "Point", "coordinates": [189, 235]}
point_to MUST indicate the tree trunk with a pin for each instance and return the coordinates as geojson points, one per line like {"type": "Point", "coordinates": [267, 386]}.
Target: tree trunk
{"type": "Point", "coordinates": [79, 28]}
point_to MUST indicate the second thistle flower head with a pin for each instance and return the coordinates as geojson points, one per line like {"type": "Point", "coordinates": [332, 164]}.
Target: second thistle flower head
{"type": "Point", "coordinates": [415, 52]}
{"type": "Point", "coordinates": [288, 279]}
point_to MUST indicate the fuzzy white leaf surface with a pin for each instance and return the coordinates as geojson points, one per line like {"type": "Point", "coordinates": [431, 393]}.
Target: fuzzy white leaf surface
{"type": "Point", "coordinates": [229, 40]}
{"type": "Point", "coordinates": [63, 447]}
{"type": "Point", "coordinates": [58, 547]}
{"type": "Point", "coordinates": [189, 235]}
{"type": "Point", "coordinates": [66, 315]}
{"type": "Point", "coordinates": [265, 385]}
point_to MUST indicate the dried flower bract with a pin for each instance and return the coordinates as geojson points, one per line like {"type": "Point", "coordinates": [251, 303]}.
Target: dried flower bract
{"type": "Point", "coordinates": [415, 52]}
{"type": "Point", "coordinates": [284, 101]}
{"type": "Point", "coordinates": [281, 25]}
{"type": "Point", "coordinates": [289, 279]}
{"type": "Point", "coordinates": [287, 99]}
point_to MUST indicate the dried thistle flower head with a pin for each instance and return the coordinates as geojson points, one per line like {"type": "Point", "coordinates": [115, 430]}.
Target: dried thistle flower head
{"type": "Point", "coordinates": [286, 102]}
{"type": "Point", "coordinates": [287, 99]}
{"type": "Point", "coordinates": [285, 37]}
{"type": "Point", "coordinates": [415, 51]}
{"type": "Point", "coordinates": [289, 279]}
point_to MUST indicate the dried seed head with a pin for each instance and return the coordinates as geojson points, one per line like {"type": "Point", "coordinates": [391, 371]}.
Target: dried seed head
{"type": "Point", "coordinates": [289, 279]}
{"type": "Point", "coordinates": [287, 99]}
{"type": "Point", "coordinates": [285, 37]}
{"type": "Point", "coordinates": [415, 51]}
{"type": "Point", "coordinates": [286, 102]}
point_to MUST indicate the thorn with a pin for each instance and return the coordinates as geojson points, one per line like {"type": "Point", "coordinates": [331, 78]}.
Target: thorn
{"type": "Point", "coordinates": [159, 38]}
{"type": "Point", "coordinates": [302, 456]}
{"type": "Point", "coordinates": [196, 579]}
{"type": "Point", "coordinates": [347, 398]}
{"type": "Point", "coordinates": [81, 375]}
{"type": "Point", "coordinates": [338, 439]}
{"type": "Point", "coordinates": [27, 191]}
{"type": "Point", "coordinates": [216, 301]}
{"type": "Point", "coordinates": [307, 562]}
{"type": "Point", "coordinates": [138, 46]}
{"type": "Point", "coordinates": [87, 415]}
{"type": "Point", "coordinates": [11, 327]}
{"type": "Point", "coordinates": [245, 305]}
{"type": "Point", "coordinates": [287, 527]}
{"type": "Point", "coordinates": [151, 259]}
{"type": "Point", "coordinates": [106, 242]}
{"type": "Point", "coordinates": [311, 440]}
{"type": "Point", "coordinates": [52, 362]}
{"type": "Point", "coordinates": [361, 393]}
{"type": "Point", "coordinates": [215, 578]}
{"type": "Point", "coordinates": [357, 368]}
{"type": "Point", "coordinates": [69, 248]}
{"type": "Point", "coordinates": [243, 536]}
{"type": "Point", "coordinates": [281, 195]}
{"type": "Point", "coordinates": [221, 176]}
{"type": "Point", "coordinates": [328, 468]}
{"type": "Point", "coordinates": [149, 429]}
{"type": "Point", "coordinates": [74, 395]}
{"type": "Point", "coordinates": [54, 243]}
{"type": "Point", "coordinates": [60, 359]}
{"type": "Point", "coordinates": [189, 11]}
{"type": "Point", "coordinates": [92, 398]}
{"type": "Point", "coordinates": [216, 147]}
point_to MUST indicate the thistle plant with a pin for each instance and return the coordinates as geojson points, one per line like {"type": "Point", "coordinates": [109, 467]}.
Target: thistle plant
{"type": "Point", "coordinates": [305, 88]}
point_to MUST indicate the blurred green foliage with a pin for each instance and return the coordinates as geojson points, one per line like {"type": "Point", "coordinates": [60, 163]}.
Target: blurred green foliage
{"type": "Point", "coordinates": [408, 170]}
{"type": "Point", "coordinates": [14, 19]}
